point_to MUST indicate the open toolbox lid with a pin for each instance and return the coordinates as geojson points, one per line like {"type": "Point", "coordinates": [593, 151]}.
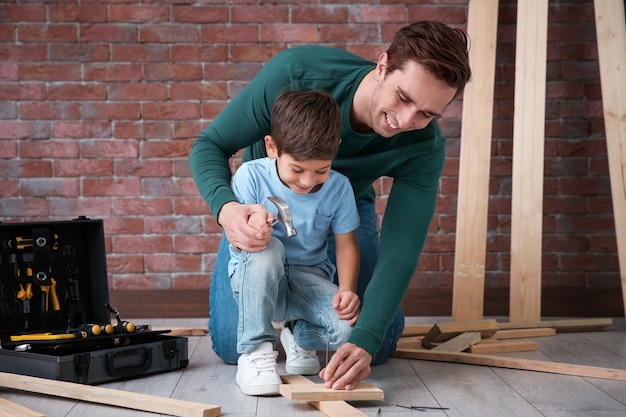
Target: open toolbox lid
{"type": "Point", "coordinates": [53, 276]}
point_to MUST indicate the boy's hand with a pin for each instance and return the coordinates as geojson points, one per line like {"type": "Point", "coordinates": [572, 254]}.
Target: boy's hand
{"type": "Point", "coordinates": [347, 304]}
{"type": "Point", "coordinates": [234, 217]}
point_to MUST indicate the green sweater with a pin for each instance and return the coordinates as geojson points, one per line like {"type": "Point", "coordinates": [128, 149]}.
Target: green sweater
{"type": "Point", "coordinates": [413, 159]}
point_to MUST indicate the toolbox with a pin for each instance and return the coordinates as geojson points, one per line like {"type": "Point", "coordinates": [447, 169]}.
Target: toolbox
{"type": "Point", "coordinates": [55, 318]}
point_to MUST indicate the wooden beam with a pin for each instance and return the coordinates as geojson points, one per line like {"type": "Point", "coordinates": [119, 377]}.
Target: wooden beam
{"type": "Point", "coordinates": [108, 396]}
{"type": "Point", "coordinates": [329, 408]}
{"type": "Point", "coordinates": [521, 333]}
{"type": "Point", "coordinates": [562, 326]}
{"type": "Point", "coordinates": [528, 152]}
{"type": "Point", "coordinates": [497, 346]}
{"type": "Point", "coordinates": [459, 343]}
{"type": "Point", "coordinates": [318, 392]}
{"type": "Point", "coordinates": [444, 331]}
{"type": "Point", "coordinates": [475, 158]}
{"type": "Point", "coordinates": [11, 409]}
{"type": "Point", "coordinates": [611, 34]}
{"type": "Point", "coordinates": [513, 363]}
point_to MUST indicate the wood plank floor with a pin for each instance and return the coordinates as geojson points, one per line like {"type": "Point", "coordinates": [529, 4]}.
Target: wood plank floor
{"type": "Point", "coordinates": [466, 390]}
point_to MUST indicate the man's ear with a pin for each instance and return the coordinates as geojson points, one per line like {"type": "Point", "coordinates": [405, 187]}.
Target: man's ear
{"type": "Point", "coordinates": [270, 147]}
{"type": "Point", "coordinates": [381, 66]}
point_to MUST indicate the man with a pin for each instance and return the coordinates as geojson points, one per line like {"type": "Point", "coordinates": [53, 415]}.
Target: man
{"type": "Point", "coordinates": [389, 128]}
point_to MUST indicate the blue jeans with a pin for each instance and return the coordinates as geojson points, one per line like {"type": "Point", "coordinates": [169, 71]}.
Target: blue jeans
{"type": "Point", "coordinates": [266, 289]}
{"type": "Point", "coordinates": [224, 313]}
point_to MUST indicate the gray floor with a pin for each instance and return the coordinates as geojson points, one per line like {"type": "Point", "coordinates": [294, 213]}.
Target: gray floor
{"type": "Point", "coordinates": [466, 390]}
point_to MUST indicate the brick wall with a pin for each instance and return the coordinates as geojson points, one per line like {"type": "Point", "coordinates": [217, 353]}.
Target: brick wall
{"type": "Point", "coordinates": [101, 102]}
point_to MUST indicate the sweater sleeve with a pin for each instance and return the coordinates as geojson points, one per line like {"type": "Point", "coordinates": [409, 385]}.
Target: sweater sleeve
{"type": "Point", "coordinates": [410, 209]}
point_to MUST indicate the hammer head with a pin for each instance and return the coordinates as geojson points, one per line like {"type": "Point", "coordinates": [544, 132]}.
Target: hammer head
{"type": "Point", "coordinates": [284, 215]}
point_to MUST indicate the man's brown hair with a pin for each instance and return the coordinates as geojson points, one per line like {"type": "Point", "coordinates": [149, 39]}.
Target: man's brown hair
{"type": "Point", "coordinates": [306, 124]}
{"type": "Point", "coordinates": [437, 47]}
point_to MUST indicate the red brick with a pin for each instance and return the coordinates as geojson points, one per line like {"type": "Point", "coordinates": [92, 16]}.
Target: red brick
{"type": "Point", "coordinates": [48, 149]}
{"type": "Point", "coordinates": [254, 53]}
{"type": "Point", "coordinates": [23, 12]}
{"type": "Point", "coordinates": [108, 33]}
{"type": "Point", "coordinates": [111, 186]}
{"type": "Point", "coordinates": [221, 72]}
{"type": "Point", "coordinates": [378, 13]}
{"type": "Point", "coordinates": [142, 244]}
{"type": "Point", "coordinates": [9, 72]}
{"type": "Point", "coordinates": [141, 13]}
{"type": "Point", "coordinates": [164, 187]}
{"type": "Point", "coordinates": [77, 13]}
{"type": "Point", "coordinates": [45, 187]}
{"type": "Point", "coordinates": [70, 91]}
{"type": "Point", "coordinates": [112, 72]}
{"type": "Point", "coordinates": [80, 167]}
{"type": "Point", "coordinates": [188, 130]}
{"type": "Point", "coordinates": [199, 53]}
{"type": "Point", "coordinates": [44, 32]}
{"type": "Point", "coordinates": [259, 14]}
{"type": "Point", "coordinates": [192, 281]}
{"type": "Point", "coordinates": [49, 110]}
{"type": "Point", "coordinates": [143, 168]}
{"type": "Point", "coordinates": [169, 33]}
{"type": "Point", "coordinates": [141, 281]}
{"type": "Point", "coordinates": [165, 149]}
{"type": "Point", "coordinates": [109, 149]}
{"type": "Point", "coordinates": [109, 111]}
{"type": "Point", "coordinates": [198, 91]}
{"type": "Point", "coordinates": [24, 207]}
{"type": "Point", "coordinates": [199, 14]}
{"type": "Point", "coordinates": [7, 32]}
{"type": "Point", "coordinates": [172, 263]}
{"type": "Point", "coordinates": [192, 206]}
{"type": "Point", "coordinates": [238, 33]}
{"type": "Point", "coordinates": [361, 32]}
{"type": "Point", "coordinates": [142, 206]}
{"type": "Point", "coordinates": [79, 52]}
{"type": "Point", "coordinates": [289, 33]}
{"type": "Point", "coordinates": [80, 130]}
{"type": "Point", "coordinates": [168, 225]}
{"type": "Point", "coordinates": [304, 13]}
{"type": "Point", "coordinates": [172, 72]}
{"type": "Point", "coordinates": [74, 207]}
{"type": "Point", "coordinates": [446, 14]}
{"type": "Point", "coordinates": [125, 264]}
{"type": "Point", "coordinates": [197, 244]}
{"type": "Point", "coordinates": [170, 110]}
{"type": "Point", "coordinates": [50, 72]}
{"type": "Point", "coordinates": [8, 150]}
{"type": "Point", "coordinates": [24, 130]}
{"type": "Point", "coordinates": [22, 52]}
{"type": "Point", "coordinates": [139, 53]}
{"type": "Point", "coordinates": [123, 225]}
{"type": "Point", "coordinates": [25, 168]}
{"type": "Point", "coordinates": [142, 130]}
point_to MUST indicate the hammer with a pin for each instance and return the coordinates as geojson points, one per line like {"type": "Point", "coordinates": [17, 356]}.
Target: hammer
{"type": "Point", "coordinates": [284, 215]}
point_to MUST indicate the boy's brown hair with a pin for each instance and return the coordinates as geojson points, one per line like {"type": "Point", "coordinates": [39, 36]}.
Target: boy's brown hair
{"type": "Point", "coordinates": [306, 124]}
{"type": "Point", "coordinates": [438, 48]}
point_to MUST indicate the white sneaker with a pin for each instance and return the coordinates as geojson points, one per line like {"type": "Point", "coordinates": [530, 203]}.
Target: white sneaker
{"type": "Point", "coordinates": [299, 361]}
{"type": "Point", "coordinates": [257, 373]}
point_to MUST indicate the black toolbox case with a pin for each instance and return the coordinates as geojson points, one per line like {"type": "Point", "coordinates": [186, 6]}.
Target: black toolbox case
{"type": "Point", "coordinates": [55, 317]}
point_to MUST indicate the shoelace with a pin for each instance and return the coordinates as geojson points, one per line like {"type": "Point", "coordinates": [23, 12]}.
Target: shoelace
{"type": "Point", "coordinates": [263, 361]}
{"type": "Point", "coordinates": [301, 353]}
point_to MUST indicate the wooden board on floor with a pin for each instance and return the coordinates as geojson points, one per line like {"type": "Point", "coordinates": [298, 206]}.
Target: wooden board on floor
{"type": "Point", "coordinates": [474, 164]}
{"type": "Point", "coordinates": [11, 409]}
{"type": "Point", "coordinates": [497, 346]}
{"type": "Point", "coordinates": [611, 34]}
{"type": "Point", "coordinates": [318, 392]}
{"type": "Point", "coordinates": [444, 331]}
{"type": "Point", "coordinates": [528, 152]}
{"type": "Point", "coordinates": [328, 408]}
{"type": "Point", "coordinates": [521, 333]}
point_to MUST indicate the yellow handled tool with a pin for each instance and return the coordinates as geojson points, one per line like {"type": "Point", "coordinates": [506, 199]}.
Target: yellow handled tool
{"type": "Point", "coordinates": [47, 336]}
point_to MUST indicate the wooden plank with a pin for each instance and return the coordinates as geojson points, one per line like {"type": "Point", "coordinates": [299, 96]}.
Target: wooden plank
{"type": "Point", "coordinates": [497, 346]}
{"type": "Point", "coordinates": [474, 164]}
{"type": "Point", "coordinates": [108, 396]}
{"type": "Point", "coordinates": [443, 331]}
{"type": "Point", "coordinates": [513, 363]}
{"type": "Point", "coordinates": [522, 333]}
{"type": "Point", "coordinates": [459, 343]}
{"type": "Point", "coordinates": [416, 329]}
{"type": "Point", "coordinates": [318, 392]}
{"type": "Point", "coordinates": [329, 408]}
{"type": "Point", "coordinates": [611, 35]}
{"type": "Point", "coordinates": [186, 332]}
{"type": "Point", "coordinates": [11, 409]}
{"type": "Point", "coordinates": [561, 326]}
{"type": "Point", "coordinates": [414, 342]}
{"type": "Point", "coordinates": [528, 152]}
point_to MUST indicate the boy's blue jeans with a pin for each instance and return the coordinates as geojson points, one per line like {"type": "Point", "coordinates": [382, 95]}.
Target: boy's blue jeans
{"type": "Point", "coordinates": [266, 289]}
{"type": "Point", "coordinates": [224, 312]}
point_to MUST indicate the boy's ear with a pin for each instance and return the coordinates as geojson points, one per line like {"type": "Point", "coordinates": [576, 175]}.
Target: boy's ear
{"type": "Point", "coordinates": [270, 147]}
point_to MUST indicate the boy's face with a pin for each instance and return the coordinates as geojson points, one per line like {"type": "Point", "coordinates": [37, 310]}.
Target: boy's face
{"type": "Point", "coordinates": [302, 177]}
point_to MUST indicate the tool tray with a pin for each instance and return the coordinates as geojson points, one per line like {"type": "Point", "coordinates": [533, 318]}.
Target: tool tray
{"type": "Point", "coordinates": [55, 317]}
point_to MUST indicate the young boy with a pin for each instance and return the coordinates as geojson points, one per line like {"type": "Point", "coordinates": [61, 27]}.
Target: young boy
{"type": "Point", "coordinates": [290, 280]}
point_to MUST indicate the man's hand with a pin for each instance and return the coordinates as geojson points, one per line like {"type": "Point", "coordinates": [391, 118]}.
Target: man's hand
{"type": "Point", "coordinates": [347, 368]}
{"type": "Point", "coordinates": [234, 219]}
{"type": "Point", "coordinates": [347, 305]}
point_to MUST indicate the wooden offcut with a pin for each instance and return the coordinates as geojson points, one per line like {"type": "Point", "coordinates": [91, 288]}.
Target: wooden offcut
{"type": "Point", "coordinates": [528, 152]}
{"type": "Point", "coordinates": [328, 408]}
{"type": "Point", "coordinates": [108, 396]}
{"type": "Point", "coordinates": [513, 363]}
{"type": "Point", "coordinates": [11, 409]}
{"type": "Point", "coordinates": [521, 333]}
{"type": "Point", "coordinates": [444, 331]}
{"type": "Point", "coordinates": [459, 343]}
{"type": "Point", "coordinates": [318, 392]}
{"type": "Point", "coordinates": [611, 35]}
{"type": "Point", "coordinates": [474, 163]}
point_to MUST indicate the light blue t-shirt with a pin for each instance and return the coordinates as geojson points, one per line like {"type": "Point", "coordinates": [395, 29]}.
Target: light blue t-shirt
{"type": "Point", "coordinates": [331, 209]}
